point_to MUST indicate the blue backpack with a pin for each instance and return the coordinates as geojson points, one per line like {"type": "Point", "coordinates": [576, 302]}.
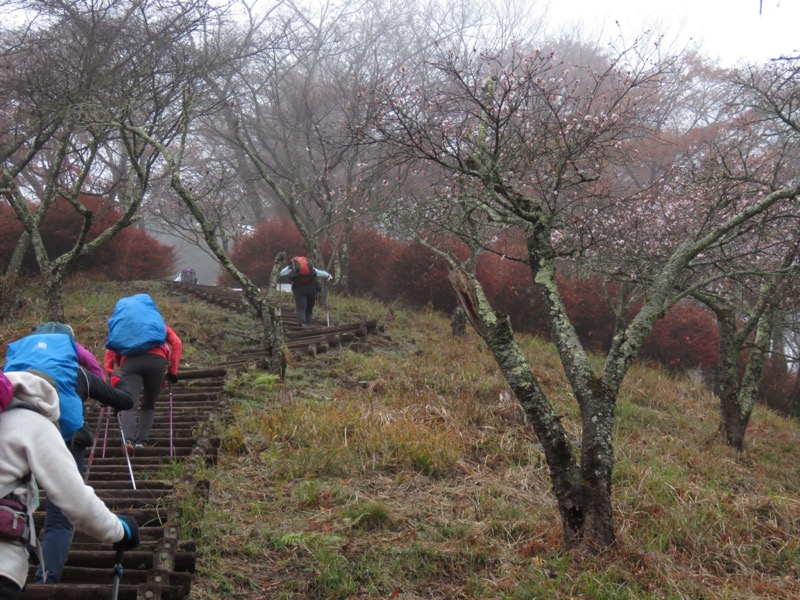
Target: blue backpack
{"type": "Point", "coordinates": [56, 355]}
{"type": "Point", "coordinates": [135, 326]}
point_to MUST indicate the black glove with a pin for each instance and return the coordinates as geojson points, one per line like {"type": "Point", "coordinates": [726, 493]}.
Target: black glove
{"type": "Point", "coordinates": [172, 378]}
{"type": "Point", "coordinates": [130, 540]}
{"type": "Point", "coordinates": [82, 438]}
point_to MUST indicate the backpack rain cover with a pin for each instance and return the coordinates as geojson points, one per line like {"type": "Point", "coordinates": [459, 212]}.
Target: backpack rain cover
{"type": "Point", "coordinates": [56, 355]}
{"type": "Point", "coordinates": [136, 326]}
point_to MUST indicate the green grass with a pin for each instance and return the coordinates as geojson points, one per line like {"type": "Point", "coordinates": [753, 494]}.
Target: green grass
{"type": "Point", "coordinates": [406, 470]}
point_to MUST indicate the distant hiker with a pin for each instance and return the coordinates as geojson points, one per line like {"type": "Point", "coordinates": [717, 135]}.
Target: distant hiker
{"type": "Point", "coordinates": [31, 452]}
{"type": "Point", "coordinates": [52, 350]}
{"type": "Point", "coordinates": [144, 351]}
{"type": "Point", "coordinates": [305, 286]}
{"type": "Point", "coordinates": [188, 276]}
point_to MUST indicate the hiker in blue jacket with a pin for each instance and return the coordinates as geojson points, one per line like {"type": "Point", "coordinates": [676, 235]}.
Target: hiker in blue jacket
{"type": "Point", "coordinates": [305, 286]}
{"type": "Point", "coordinates": [51, 349]}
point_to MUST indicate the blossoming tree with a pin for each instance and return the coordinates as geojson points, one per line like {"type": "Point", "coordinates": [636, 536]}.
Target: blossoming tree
{"type": "Point", "coordinates": [541, 143]}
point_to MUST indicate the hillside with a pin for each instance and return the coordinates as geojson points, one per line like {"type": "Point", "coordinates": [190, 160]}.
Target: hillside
{"type": "Point", "coordinates": [404, 469]}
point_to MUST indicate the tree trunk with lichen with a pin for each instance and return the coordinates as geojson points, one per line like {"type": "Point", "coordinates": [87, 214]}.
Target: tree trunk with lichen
{"type": "Point", "coordinates": [274, 337]}
{"type": "Point", "coordinates": [732, 423]}
{"type": "Point", "coordinates": [55, 302]}
{"type": "Point", "coordinates": [738, 395]}
{"type": "Point", "coordinates": [267, 313]}
{"type": "Point", "coordinates": [14, 266]}
{"type": "Point", "coordinates": [583, 493]}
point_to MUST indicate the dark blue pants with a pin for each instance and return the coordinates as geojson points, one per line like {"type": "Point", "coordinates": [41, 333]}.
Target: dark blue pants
{"type": "Point", "coordinates": [57, 532]}
{"type": "Point", "coordinates": [305, 297]}
{"type": "Point", "coordinates": [144, 376]}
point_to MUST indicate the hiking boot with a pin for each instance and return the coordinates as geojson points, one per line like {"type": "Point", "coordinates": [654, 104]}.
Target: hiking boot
{"type": "Point", "coordinates": [131, 449]}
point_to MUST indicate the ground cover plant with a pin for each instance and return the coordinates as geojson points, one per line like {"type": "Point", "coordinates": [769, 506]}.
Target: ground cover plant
{"type": "Point", "coordinates": [405, 469]}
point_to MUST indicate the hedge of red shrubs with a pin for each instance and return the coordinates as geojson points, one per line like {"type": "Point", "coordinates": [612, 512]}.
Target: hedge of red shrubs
{"type": "Point", "coordinates": [392, 270]}
{"type": "Point", "coordinates": [132, 254]}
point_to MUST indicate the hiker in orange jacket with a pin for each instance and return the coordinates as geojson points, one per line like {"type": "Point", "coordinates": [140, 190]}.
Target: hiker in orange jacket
{"type": "Point", "coordinates": [144, 374]}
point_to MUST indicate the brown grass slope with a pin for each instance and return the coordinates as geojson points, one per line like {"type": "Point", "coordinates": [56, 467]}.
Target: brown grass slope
{"type": "Point", "coordinates": [405, 470]}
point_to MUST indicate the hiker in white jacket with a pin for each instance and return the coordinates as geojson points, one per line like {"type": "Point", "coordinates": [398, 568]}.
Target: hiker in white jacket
{"type": "Point", "coordinates": [31, 443]}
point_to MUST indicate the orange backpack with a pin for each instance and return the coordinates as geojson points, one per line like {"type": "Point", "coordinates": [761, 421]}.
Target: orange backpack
{"type": "Point", "coordinates": [302, 270]}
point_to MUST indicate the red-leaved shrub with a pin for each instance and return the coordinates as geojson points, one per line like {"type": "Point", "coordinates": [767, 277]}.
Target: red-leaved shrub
{"type": "Point", "coordinates": [587, 303]}
{"type": "Point", "coordinates": [373, 258]}
{"type": "Point", "coordinates": [393, 270]}
{"type": "Point", "coordinates": [131, 254]}
{"type": "Point", "coordinates": [509, 289]}
{"type": "Point", "coordinates": [686, 337]}
{"type": "Point", "coordinates": [254, 254]}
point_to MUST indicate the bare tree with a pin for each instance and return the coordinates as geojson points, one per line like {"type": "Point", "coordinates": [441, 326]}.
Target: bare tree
{"type": "Point", "coordinates": [298, 113]}
{"type": "Point", "coordinates": [71, 73]}
{"type": "Point", "coordinates": [261, 303]}
{"type": "Point", "coordinates": [218, 173]}
{"type": "Point", "coordinates": [195, 99]}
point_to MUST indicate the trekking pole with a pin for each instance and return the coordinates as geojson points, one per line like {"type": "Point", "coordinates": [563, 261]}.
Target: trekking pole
{"type": "Point", "coordinates": [94, 445]}
{"type": "Point", "coordinates": [327, 311]}
{"type": "Point", "coordinates": [171, 446]}
{"type": "Point", "coordinates": [125, 450]}
{"type": "Point", "coordinates": [117, 574]}
{"type": "Point", "coordinates": [105, 435]}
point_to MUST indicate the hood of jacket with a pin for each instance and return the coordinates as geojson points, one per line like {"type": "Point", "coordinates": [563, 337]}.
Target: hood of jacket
{"type": "Point", "coordinates": [35, 392]}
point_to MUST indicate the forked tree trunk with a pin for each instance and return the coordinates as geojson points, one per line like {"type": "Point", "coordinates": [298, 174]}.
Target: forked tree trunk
{"type": "Point", "coordinates": [733, 422]}
{"type": "Point", "coordinates": [583, 493]}
{"type": "Point", "coordinates": [737, 395]}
